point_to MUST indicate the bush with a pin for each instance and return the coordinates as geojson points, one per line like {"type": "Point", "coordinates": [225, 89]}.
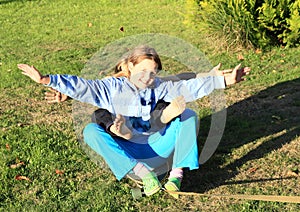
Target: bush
{"type": "Point", "coordinates": [252, 22]}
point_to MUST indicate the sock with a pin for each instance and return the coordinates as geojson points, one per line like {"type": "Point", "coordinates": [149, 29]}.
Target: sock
{"type": "Point", "coordinates": [140, 170]}
{"type": "Point", "coordinates": [177, 173]}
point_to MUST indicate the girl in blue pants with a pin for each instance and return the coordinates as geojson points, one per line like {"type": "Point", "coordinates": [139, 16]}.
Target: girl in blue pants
{"type": "Point", "coordinates": [134, 98]}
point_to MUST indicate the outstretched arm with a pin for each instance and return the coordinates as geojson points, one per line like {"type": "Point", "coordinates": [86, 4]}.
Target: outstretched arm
{"type": "Point", "coordinates": [231, 76]}
{"type": "Point", "coordinates": [95, 92]}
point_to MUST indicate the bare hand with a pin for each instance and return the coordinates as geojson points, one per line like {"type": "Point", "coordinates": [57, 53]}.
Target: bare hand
{"type": "Point", "coordinates": [33, 73]}
{"type": "Point", "coordinates": [55, 96]}
{"type": "Point", "coordinates": [236, 75]}
{"type": "Point", "coordinates": [231, 76]}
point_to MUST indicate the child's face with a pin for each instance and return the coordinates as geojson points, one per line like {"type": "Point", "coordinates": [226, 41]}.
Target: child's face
{"type": "Point", "coordinates": [142, 75]}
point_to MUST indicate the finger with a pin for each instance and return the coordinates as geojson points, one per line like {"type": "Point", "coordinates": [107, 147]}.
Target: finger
{"type": "Point", "coordinates": [227, 71]}
{"type": "Point", "coordinates": [25, 73]}
{"type": "Point", "coordinates": [52, 89]}
{"type": "Point", "coordinates": [21, 66]}
{"type": "Point", "coordinates": [216, 68]}
{"type": "Point", "coordinates": [48, 94]}
{"type": "Point", "coordinates": [237, 67]}
{"type": "Point", "coordinates": [52, 101]}
{"type": "Point", "coordinates": [50, 98]}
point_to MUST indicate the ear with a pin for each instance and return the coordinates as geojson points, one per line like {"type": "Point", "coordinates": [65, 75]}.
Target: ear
{"type": "Point", "coordinates": [130, 66]}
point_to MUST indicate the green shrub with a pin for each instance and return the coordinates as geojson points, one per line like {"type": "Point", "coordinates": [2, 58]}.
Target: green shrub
{"type": "Point", "coordinates": [255, 22]}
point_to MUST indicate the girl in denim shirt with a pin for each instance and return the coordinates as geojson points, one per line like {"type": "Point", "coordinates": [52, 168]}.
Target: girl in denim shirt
{"type": "Point", "coordinates": [134, 98]}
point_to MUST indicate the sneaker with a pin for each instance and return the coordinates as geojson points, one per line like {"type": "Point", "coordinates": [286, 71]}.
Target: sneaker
{"type": "Point", "coordinates": [151, 184]}
{"type": "Point", "coordinates": [173, 184]}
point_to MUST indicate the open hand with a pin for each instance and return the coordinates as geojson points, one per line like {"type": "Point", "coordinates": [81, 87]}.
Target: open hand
{"type": "Point", "coordinates": [33, 73]}
{"type": "Point", "coordinates": [54, 96]}
{"type": "Point", "coordinates": [235, 75]}
{"type": "Point", "coordinates": [231, 76]}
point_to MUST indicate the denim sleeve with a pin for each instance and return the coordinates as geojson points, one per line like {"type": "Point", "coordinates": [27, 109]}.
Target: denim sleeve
{"type": "Point", "coordinates": [95, 92]}
{"type": "Point", "coordinates": [193, 89]}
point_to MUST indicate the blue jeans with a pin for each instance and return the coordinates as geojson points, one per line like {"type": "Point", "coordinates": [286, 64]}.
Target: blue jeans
{"type": "Point", "coordinates": [177, 140]}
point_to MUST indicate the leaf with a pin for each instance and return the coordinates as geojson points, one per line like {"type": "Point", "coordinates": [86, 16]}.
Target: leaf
{"type": "Point", "coordinates": [240, 57]}
{"type": "Point", "coordinates": [121, 29]}
{"type": "Point", "coordinates": [14, 166]}
{"type": "Point", "coordinates": [291, 173]}
{"type": "Point", "coordinates": [258, 51]}
{"type": "Point", "coordinates": [89, 24]}
{"type": "Point", "coordinates": [252, 170]}
{"type": "Point", "coordinates": [7, 146]}
{"type": "Point", "coordinates": [19, 177]}
{"type": "Point", "coordinates": [60, 172]}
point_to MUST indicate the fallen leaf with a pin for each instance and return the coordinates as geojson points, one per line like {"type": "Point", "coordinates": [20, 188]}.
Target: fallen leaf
{"type": "Point", "coordinates": [252, 170]}
{"type": "Point", "coordinates": [7, 146]}
{"type": "Point", "coordinates": [240, 57]}
{"type": "Point", "coordinates": [258, 51]}
{"type": "Point", "coordinates": [59, 172]}
{"type": "Point", "coordinates": [18, 177]}
{"type": "Point", "coordinates": [90, 24]}
{"type": "Point", "coordinates": [290, 173]}
{"type": "Point", "coordinates": [14, 166]}
{"type": "Point", "coordinates": [121, 29]}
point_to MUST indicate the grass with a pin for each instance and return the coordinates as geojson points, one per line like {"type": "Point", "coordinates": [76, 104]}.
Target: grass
{"type": "Point", "coordinates": [258, 154]}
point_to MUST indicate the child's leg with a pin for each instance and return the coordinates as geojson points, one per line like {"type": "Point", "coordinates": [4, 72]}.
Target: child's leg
{"type": "Point", "coordinates": [116, 154]}
{"type": "Point", "coordinates": [179, 137]}
{"type": "Point", "coordinates": [115, 127]}
{"type": "Point", "coordinates": [119, 161]}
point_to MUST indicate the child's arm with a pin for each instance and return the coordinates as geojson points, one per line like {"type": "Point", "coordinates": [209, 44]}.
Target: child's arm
{"type": "Point", "coordinates": [181, 76]}
{"type": "Point", "coordinates": [95, 92]}
{"type": "Point", "coordinates": [232, 76]}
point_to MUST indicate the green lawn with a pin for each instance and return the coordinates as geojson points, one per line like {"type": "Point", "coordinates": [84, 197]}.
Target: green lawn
{"type": "Point", "coordinates": [43, 166]}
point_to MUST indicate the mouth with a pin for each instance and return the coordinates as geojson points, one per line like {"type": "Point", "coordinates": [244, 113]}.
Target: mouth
{"type": "Point", "coordinates": [145, 83]}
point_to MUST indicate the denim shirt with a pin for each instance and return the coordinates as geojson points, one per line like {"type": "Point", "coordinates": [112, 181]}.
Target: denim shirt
{"type": "Point", "coordinates": [120, 96]}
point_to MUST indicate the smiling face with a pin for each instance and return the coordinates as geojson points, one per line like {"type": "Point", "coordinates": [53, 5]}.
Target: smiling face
{"type": "Point", "coordinates": [142, 74]}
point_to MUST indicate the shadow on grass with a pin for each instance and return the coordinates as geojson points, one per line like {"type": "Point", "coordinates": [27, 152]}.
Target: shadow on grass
{"type": "Point", "coordinates": [272, 115]}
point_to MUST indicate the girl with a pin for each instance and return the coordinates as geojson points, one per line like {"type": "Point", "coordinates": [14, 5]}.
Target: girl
{"type": "Point", "coordinates": [134, 98]}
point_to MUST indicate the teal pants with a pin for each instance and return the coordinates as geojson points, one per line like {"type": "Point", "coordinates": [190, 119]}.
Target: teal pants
{"type": "Point", "coordinates": [177, 140]}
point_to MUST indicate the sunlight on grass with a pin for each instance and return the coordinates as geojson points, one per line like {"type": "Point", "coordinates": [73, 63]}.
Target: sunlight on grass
{"type": "Point", "coordinates": [43, 165]}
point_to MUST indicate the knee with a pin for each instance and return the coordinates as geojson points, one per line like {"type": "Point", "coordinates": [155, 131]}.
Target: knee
{"type": "Point", "coordinates": [188, 113]}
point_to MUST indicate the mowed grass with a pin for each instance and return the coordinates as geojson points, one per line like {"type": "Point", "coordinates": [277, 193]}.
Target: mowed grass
{"type": "Point", "coordinates": [44, 168]}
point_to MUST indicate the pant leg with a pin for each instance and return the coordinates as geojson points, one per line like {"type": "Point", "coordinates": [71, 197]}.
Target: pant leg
{"type": "Point", "coordinates": [119, 161]}
{"type": "Point", "coordinates": [180, 138]}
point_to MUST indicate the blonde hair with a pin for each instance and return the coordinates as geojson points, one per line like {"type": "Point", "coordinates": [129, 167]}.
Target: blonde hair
{"type": "Point", "coordinates": [136, 56]}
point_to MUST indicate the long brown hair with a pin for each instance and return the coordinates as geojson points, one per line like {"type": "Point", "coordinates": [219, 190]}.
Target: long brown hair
{"type": "Point", "coordinates": [136, 56]}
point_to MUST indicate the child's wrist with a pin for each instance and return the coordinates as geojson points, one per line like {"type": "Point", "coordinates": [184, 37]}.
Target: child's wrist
{"type": "Point", "coordinates": [45, 80]}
